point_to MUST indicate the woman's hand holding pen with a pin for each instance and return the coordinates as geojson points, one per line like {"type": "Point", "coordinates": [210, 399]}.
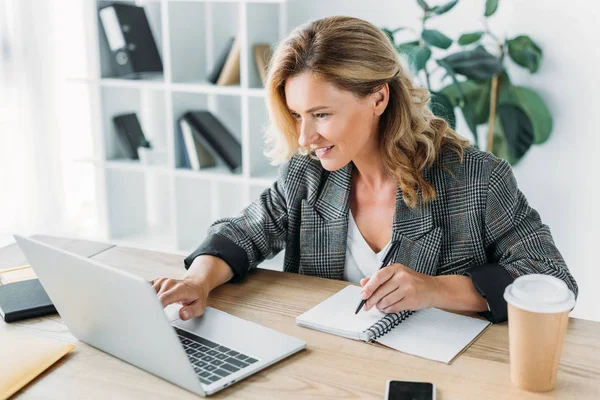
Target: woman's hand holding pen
{"type": "Point", "coordinates": [396, 288]}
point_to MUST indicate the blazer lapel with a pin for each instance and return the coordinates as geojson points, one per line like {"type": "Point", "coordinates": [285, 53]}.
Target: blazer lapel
{"type": "Point", "coordinates": [417, 242]}
{"type": "Point", "coordinates": [324, 227]}
{"type": "Point", "coordinates": [324, 231]}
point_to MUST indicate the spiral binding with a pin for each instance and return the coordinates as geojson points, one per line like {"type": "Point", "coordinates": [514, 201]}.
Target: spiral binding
{"type": "Point", "coordinates": [387, 323]}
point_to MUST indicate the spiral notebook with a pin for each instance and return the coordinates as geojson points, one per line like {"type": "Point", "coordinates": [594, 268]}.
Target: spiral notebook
{"type": "Point", "coordinates": [431, 333]}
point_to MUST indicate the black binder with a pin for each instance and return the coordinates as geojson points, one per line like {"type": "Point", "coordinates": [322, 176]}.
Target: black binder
{"type": "Point", "coordinates": [25, 299]}
{"type": "Point", "coordinates": [130, 40]}
{"type": "Point", "coordinates": [130, 133]}
{"type": "Point", "coordinates": [217, 136]}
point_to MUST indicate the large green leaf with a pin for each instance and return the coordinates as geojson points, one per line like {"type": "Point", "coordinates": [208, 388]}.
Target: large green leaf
{"type": "Point", "coordinates": [450, 72]}
{"type": "Point", "coordinates": [407, 47]}
{"type": "Point", "coordinates": [417, 55]}
{"type": "Point", "coordinates": [525, 52]}
{"type": "Point", "coordinates": [476, 98]}
{"type": "Point", "coordinates": [490, 7]}
{"type": "Point", "coordinates": [421, 56]}
{"type": "Point", "coordinates": [517, 128]}
{"type": "Point", "coordinates": [439, 10]}
{"type": "Point", "coordinates": [442, 107]}
{"type": "Point", "coordinates": [423, 5]}
{"type": "Point", "coordinates": [535, 109]}
{"type": "Point", "coordinates": [475, 64]}
{"type": "Point", "coordinates": [468, 111]}
{"type": "Point", "coordinates": [500, 147]}
{"type": "Point", "coordinates": [436, 38]}
{"type": "Point", "coordinates": [469, 38]}
{"type": "Point", "coordinates": [390, 33]}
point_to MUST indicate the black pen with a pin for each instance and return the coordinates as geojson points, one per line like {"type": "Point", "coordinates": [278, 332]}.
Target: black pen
{"type": "Point", "coordinates": [384, 263]}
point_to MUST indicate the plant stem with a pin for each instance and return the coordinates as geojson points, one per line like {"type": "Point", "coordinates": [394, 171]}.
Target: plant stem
{"type": "Point", "coordinates": [492, 119]}
{"type": "Point", "coordinates": [421, 43]}
{"type": "Point", "coordinates": [489, 32]}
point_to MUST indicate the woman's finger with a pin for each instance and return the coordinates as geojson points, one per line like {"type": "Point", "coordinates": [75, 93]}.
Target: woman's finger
{"type": "Point", "coordinates": [392, 298]}
{"type": "Point", "coordinates": [156, 283]}
{"type": "Point", "coordinates": [378, 279]}
{"type": "Point", "coordinates": [192, 310]}
{"type": "Point", "coordinates": [387, 288]}
{"type": "Point", "coordinates": [166, 285]}
{"type": "Point", "coordinates": [363, 281]}
{"type": "Point", "coordinates": [175, 294]}
{"type": "Point", "coordinates": [398, 306]}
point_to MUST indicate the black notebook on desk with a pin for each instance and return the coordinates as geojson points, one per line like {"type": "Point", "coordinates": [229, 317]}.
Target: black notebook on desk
{"type": "Point", "coordinates": [25, 299]}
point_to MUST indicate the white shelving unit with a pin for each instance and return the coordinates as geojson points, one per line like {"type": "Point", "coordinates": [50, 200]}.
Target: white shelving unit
{"type": "Point", "coordinates": [162, 206]}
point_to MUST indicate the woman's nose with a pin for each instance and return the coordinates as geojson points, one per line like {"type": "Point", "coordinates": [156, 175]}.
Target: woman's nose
{"type": "Point", "coordinates": [307, 135]}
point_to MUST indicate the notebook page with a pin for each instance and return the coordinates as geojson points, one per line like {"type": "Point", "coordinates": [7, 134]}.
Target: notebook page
{"type": "Point", "coordinates": [336, 314]}
{"type": "Point", "coordinates": [434, 334]}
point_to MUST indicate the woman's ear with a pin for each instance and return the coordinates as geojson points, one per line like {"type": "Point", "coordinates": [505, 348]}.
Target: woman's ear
{"type": "Point", "coordinates": [380, 99]}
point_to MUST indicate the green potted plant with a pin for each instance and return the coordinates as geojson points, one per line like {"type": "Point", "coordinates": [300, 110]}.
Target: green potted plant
{"type": "Point", "coordinates": [476, 82]}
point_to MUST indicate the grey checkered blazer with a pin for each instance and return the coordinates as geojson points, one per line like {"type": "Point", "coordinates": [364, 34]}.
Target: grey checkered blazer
{"type": "Point", "coordinates": [479, 225]}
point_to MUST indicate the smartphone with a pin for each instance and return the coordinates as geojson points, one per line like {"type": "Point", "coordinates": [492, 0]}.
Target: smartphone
{"type": "Point", "coordinates": [402, 390]}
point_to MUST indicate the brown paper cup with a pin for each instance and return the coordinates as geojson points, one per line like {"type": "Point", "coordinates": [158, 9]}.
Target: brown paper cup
{"type": "Point", "coordinates": [538, 313]}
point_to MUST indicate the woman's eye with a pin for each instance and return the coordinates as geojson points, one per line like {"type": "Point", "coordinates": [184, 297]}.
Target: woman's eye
{"type": "Point", "coordinates": [295, 115]}
{"type": "Point", "coordinates": [321, 115]}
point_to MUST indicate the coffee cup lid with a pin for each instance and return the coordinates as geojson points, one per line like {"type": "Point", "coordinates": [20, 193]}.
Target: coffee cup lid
{"type": "Point", "coordinates": [540, 293]}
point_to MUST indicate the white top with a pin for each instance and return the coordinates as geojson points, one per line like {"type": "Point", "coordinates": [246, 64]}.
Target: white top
{"type": "Point", "coordinates": [540, 294]}
{"type": "Point", "coordinates": [361, 260]}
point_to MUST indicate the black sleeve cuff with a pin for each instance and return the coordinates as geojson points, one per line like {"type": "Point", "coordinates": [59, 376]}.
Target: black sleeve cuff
{"type": "Point", "coordinates": [225, 249]}
{"type": "Point", "coordinates": [490, 280]}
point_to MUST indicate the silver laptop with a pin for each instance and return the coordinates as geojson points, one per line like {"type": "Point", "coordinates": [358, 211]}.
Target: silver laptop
{"type": "Point", "coordinates": [119, 313]}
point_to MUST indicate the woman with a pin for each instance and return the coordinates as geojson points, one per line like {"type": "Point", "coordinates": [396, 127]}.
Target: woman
{"type": "Point", "coordinates": [367, 168]}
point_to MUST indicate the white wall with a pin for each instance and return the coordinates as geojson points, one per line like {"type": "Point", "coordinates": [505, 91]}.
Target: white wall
{"type": "Point", "coordinates": [560, 177]}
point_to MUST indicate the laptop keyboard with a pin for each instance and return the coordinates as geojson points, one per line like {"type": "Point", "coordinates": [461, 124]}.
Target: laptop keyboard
{"type": "Point", "coordinates": [212, 361]}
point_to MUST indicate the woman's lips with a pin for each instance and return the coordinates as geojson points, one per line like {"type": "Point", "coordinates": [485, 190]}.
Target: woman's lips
{"type": "Point", "coordinates": [322, 152]}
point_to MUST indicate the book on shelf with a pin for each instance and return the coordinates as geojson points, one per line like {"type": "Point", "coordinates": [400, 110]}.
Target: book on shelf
{"type": "Point", "coordinates": [209, 130]}
{"type": "Point", "coordinates": [227, 67]}
{"type": "Point", "coordinates": [194, 154]}
{"type": "Point", "coordinates": [132, 46]}
{"type": "Point", "coordinates": [262, 57]}
{"type": "Point", "coordinates": [213, 77]}
{"type": "Point", "coordinates": [130, 134]}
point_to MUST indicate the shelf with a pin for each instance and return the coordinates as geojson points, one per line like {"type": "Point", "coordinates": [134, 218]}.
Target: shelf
{"type": "Point", "coordinates": [194, 211]}
{"type": "Point", "coordinates": [157, 82]}
{"type": "Point", "coordinates": [261, 29]}
{"type": "Point", "coordinates": [219, 174]}
{"type": "Point", "coordinates": [92, 161]}
{"type": "Point", "coordinates": [267, 180]}
{"type": "Point", "coordinates": [134, 165]}
{"type": "Point", "coordinates": [206, 87]}
{"type": "Point", "coordinates": [161, 206]}
{"type": "Point", "coordinates": [256, 92]}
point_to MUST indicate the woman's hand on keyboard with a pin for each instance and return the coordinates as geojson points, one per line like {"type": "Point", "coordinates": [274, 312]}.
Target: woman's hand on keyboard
{"type": "Point", "coordinates": [188, 291]}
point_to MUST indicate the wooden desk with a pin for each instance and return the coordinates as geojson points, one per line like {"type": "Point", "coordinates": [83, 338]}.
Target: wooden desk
{"type": "Point", "coordinates": [330, 367]}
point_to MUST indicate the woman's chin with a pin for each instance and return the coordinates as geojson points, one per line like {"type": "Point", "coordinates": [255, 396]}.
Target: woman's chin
{"type": "Point", "coordinates": [330, 164]}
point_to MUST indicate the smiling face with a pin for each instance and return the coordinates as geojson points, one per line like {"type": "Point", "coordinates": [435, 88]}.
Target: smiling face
{"type": "Point", "coordinates": [333, 123]}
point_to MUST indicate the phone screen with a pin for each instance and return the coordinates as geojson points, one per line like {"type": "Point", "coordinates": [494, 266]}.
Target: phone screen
{"type": "Point", "coordinates": [399, 390]}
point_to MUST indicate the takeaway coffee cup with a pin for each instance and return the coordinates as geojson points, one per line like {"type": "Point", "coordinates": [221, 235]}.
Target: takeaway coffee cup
{"type": "Point", "coordinates": [538, 312]}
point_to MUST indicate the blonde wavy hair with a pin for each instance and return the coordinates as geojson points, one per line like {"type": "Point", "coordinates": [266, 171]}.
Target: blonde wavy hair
{"type": "Point", "coordinates": [356, 56]}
